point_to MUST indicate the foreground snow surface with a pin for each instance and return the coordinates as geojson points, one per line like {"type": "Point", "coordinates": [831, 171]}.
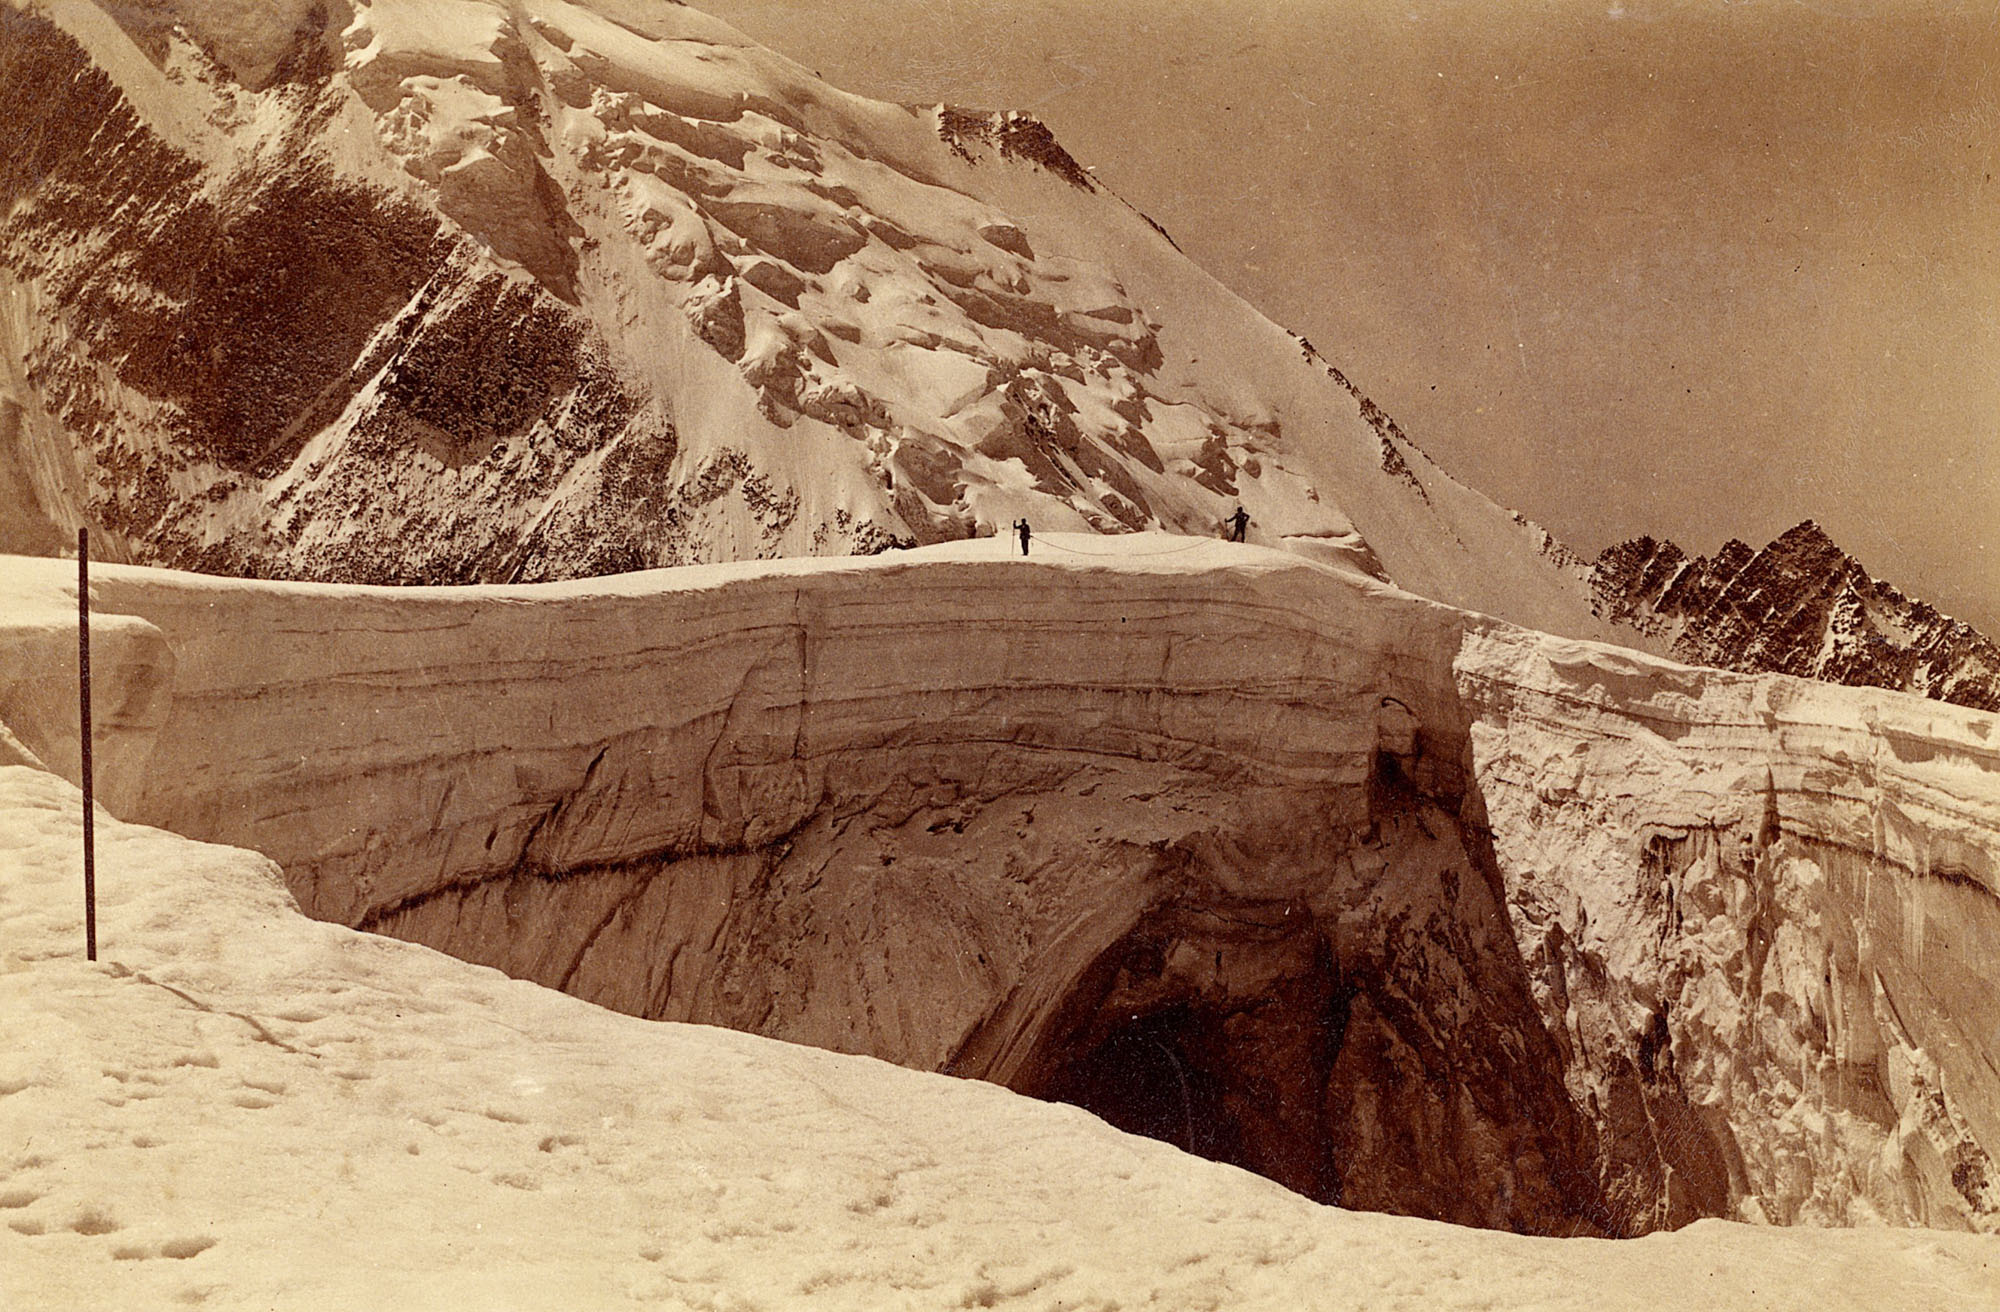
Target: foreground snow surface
{"type": "Point", "coordinates": [240, 1107]}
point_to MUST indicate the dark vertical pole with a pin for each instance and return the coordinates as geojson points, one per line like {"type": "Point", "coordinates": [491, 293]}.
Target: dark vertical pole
{"type": "Point", "coordinates": [83, 695]}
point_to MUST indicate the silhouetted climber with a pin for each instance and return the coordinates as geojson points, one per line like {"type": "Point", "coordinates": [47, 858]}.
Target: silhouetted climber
{"type": "Point", "coordinates": [1021, 526]}
{"type": "Point", "coordinates": [1239, 521]}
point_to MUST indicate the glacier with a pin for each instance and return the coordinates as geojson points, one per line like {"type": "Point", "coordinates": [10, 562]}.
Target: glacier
{"type": "Point", "coordinates": [1429, 913]}
{"type": "Point", "coordinates": [682, 395]}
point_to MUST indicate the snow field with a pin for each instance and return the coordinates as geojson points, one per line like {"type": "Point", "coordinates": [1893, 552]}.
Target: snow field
{"type": "Point", "coordinates": [239, 1107]}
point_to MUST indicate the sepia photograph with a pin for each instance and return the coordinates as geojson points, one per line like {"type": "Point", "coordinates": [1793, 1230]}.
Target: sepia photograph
{"type": "Point", "coordinates": [1060, 655]}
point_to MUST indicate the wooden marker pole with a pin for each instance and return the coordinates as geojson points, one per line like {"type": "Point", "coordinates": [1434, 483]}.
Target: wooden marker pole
{"type": "Point", "coordinates": [83, 699]}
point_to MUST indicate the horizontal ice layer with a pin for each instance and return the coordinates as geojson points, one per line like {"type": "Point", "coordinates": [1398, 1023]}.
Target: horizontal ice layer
{"type": "Point", "coordinates": [1427, 912]}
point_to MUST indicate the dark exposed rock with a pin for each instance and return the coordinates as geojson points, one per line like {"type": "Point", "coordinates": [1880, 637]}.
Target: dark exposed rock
{"type": "Point", "coordinates": [1800, 606]}
{"type": "Point", "coordinates": [1388, 432]}
{"type": "Point", "coordinates": [1016, 136]}
{"type": "Point", "coordinates": [488, 366]}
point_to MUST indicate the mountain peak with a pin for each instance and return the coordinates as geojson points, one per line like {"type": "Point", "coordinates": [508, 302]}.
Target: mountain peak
{"type": "Point", "coordinates": [1806, 534]}
{"type": "Point", "coordinates": [1016, 134]}
{"type": "Point", "coordinates": [1800, 606]}
{"type": "Point", "coordinates": [514, 292]}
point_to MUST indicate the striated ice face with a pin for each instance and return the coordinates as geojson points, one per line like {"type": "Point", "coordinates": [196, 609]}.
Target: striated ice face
{"type": "Point", "coordinates": [1399, 906]}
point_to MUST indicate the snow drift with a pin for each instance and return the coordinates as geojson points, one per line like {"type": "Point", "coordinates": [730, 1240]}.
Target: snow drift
{"type": "Point", "coordinates": [1402, 907]}
{"type": "Point", "coordinates": [241, 1108]}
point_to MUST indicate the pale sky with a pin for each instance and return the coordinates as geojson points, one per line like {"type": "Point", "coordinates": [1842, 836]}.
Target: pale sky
{"type": "Point", "coordinates": [1699, 270]}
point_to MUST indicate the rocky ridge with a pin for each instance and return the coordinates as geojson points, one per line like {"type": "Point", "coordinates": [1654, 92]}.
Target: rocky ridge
{"type": "Point", "coordinates": [1800, 606]}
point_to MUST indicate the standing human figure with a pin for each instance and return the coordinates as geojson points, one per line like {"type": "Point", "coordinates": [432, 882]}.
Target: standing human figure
{"type": "Point", "coordinates": [1241, 521]}
{"type": "Point", "coordinates": [1021, 526]}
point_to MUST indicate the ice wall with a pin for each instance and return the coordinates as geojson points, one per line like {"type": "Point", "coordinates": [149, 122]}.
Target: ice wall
{"type": "Point", "coordinates": [1761, 916]}
{"type": "Point", "coordinates": [1399, 906]}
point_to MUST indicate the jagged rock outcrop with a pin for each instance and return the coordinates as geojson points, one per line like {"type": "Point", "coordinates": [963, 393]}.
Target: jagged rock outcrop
{"type": "Point", "coordinates": [1800, 606]}
{"type": "Point", "coordinates": [398, 292]}
{"type": "Point", "coordinates": [1398, 905]}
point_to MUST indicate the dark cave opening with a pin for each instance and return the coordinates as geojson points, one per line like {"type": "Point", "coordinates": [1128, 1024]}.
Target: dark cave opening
{"type": "Point", "coordinates": [1142, 1079]}
{"type": "Point", "coordinates": [1239, 1081]}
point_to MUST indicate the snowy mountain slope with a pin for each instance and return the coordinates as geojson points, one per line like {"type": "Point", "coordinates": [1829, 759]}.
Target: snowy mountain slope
{"type": "Point", "coordinates": [1434, 915]}
{"type": "Point", "coordinates": [242, 1108]}
{"type": "Point", "coordinates": [461, 291]}
{"type": "Point", "coordinates": [1800, 606]}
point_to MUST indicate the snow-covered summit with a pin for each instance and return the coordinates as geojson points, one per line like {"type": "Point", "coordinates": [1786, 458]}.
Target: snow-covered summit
{"type": "Point", "coordinates": [468, 290]}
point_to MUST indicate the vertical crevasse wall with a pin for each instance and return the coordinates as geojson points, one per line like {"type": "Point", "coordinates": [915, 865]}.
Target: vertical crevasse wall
{"type": "Point", "coordinates": [1762, 922]}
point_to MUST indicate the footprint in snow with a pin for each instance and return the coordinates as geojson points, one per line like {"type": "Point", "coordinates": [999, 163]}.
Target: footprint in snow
{"type": "Point", "coordinates": [178, 1249]}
